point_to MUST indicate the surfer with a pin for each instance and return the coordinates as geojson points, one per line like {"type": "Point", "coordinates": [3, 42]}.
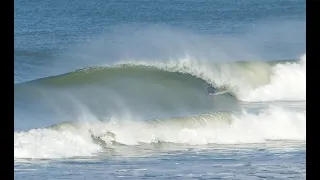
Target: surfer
{"type": "Point", "coordinates": [211, 90]}
{"type": "Point", "coordinates": [100, 139]}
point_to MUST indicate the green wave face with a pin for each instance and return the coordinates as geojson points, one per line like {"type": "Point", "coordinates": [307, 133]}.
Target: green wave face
{"type": "Point", "coordinates": [147, 89]}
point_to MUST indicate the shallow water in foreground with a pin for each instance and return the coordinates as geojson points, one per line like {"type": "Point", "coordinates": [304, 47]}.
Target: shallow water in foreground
{"type": "Point", "coordinates": [273, 160]}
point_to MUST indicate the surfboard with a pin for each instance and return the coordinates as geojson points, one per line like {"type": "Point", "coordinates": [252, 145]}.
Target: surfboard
{"type": "Point", "coordinates": [218, 93]}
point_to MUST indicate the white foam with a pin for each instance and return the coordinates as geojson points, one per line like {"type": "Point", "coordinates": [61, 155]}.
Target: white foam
{"type": "Point", "coordinates": [274, 123]}
{"type": "Point", "coordinates": [45, 143]}
{"type": "Point", "coordinates": [288, 82]}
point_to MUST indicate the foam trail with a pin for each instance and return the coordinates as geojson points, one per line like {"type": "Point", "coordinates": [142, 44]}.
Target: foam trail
{"type": "Point", "coordinates": [274, 123]}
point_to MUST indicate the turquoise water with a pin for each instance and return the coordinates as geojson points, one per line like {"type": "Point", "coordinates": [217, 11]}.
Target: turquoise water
{"type": "Point", "coordinates": [117, 89]}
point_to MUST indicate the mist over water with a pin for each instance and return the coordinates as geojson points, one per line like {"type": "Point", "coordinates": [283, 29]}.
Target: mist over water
{"type": "Point", "coordinates": [265, 40]}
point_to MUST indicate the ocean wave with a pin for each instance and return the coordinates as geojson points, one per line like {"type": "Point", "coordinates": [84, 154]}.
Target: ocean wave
{"type": "Point", "coordinates": [247, 81]}
{"type": "Point", "coordinates": [88, 138]}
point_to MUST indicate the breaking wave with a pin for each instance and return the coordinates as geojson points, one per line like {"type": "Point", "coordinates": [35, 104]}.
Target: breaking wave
{"type": "Point", "coordinates": [72, 139]}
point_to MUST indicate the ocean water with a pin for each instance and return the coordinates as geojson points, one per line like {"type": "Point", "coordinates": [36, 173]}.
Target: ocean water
{"type": "Point", "coordinates": [117, 89]}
